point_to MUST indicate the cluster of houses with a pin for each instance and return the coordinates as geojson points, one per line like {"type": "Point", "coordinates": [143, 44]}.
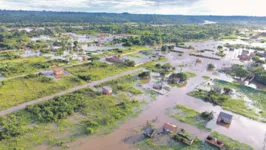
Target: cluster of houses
{"type": "Point", "coordinates": [181, 135]}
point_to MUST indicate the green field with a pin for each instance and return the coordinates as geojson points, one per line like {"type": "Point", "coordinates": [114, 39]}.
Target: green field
{"type": "Point", "coordinates": [82, 113]}
{"type": "Point", "coordinates": [22, 66]}
{"type": "Point", "coordinates": [123, 84]}
{"type": "Point", "coordinates": [24, 89]}
{"type": "Point", "coordinates": [97, 70]}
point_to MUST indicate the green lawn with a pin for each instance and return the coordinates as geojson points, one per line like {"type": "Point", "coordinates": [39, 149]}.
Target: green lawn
{"type": "Point", "coordinates": [24, 89]}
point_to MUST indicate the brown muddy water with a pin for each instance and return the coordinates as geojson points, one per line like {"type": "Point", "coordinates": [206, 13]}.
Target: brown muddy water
{"type": "Point", "coordinates": [242, 129]}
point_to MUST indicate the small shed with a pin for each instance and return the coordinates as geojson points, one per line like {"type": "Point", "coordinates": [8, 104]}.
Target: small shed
{"type": "Point", "coordinates": [107, 90]}
{"type": "Point", "coordinates": [169, 128]}
{"type": "Point", "coordinates": [148, 132]}
{"type": "Point", "coordinates": [58, 73]}
{"type": "Point", "coordinates": [225, 118]}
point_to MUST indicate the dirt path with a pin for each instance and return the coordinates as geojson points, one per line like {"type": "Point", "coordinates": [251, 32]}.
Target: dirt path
{"type": "Point", "coordinates": [22, 106]}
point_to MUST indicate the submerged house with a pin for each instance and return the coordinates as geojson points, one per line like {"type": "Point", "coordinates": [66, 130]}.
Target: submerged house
{"type": "Point", "coordinates": [148, 132]}
{"type": "Point", "coordinates": [169, 128]}
{"type": "Point", "coordinates": [224, 118]}
{"type": "Point", "coordinates": [58, 73]}
{"type": "Point", "coordinates": [107, 90]}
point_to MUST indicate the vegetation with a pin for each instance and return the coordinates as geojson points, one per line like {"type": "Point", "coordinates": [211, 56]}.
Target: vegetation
{"type": "Point", "coordinates": [34, 123]}
{"type": "Point", "coordinates": [192, 117]}
{"type": "Point", "coordinates": [260, 74]}
{"type": "Point", "coordinates": [257, 97]}
{"type": "Point", "coordinates": [234, 105]}
{"type": "Point", "coordinates": [97, 70]}
{"type": "Point", "coordinates": [122, 85]}
{"type": "Point", "coordinates": [24, 89]}
{"type": "Point", "coordinates": [210, 66]}
{"type": "Point", "coordinates": [229, 143]}
{"type": "Point", "coordinates": [145, 75]}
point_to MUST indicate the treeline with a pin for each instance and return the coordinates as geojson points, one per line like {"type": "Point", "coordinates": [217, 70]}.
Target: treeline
{"type": "Point", "coordinates": [147, 34]}
{"type": "Point", "coordinates": [20, 18]}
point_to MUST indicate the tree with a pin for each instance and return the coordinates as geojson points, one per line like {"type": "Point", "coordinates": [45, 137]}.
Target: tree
{"type": "Point", "coordinates": [145, 75]}
{"type": "Point", "coordinates": [210, 66]}
{"type": "Point", "coordinates": [164, 48]}
{"type": "Point", "coordinates": [240, 71]}
{"type": "Point", "coordinates": [220, 47]}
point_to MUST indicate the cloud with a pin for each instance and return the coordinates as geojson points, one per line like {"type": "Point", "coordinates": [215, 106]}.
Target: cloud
{"type": "Point", "coordinates": [187, 7]}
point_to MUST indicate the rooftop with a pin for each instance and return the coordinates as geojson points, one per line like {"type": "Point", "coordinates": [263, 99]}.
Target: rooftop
{"type": "Point", "coordinates": [225, 115]}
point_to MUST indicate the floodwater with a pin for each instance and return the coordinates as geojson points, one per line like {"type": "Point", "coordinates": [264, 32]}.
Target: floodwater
{"type": "Point", "coordinates": [242, 129]}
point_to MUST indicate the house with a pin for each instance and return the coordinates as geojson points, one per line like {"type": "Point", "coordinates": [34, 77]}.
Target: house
{"type": "Point", "coordinates": [244, 57]}
{"type": "Point", "coordinates": [148, 132]}
{"type": "Point", "coordinates": [157, 86]}
{"type": "Point", "coordinates": [169, 128]}
{"type": "Point", "coordinates": [116, 59]}
{"type": "Point", "coordinates": [231, 49]}
{"type": "Point", "coordinates": [213, 141]}
{"type": "Point", "coordinates": [107, 90]}
{"type": "Point", "coordinates": [58, 73]}
{"type": "Point", "coordinates": [218, 90]}
{"type": "Point", "coordinates": [199, 60]}
{"type": "Point", "coordinates": [224, 118]}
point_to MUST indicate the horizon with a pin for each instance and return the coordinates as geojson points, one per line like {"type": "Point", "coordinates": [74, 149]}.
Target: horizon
{"type": "Point", "coordinates": [158, 7]}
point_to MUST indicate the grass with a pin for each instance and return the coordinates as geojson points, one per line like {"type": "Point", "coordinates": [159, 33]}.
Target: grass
{"type": "Point", "coordinates": [98, 108]}
{"type": "Point", "coordinates": [206, 77]}
{"type": "Point", "coordinates": [237, 106]}
{"type": "Point", "coordinates": [230, 143]}
{"type": "Point", "coordinates": [23, 89]}
{"type": "Point", "coordinates": [123, 84]}
{"type": "Point", "coordinates": [258, 97]}
{"type": "Point", "coordinates": [163, 142]}
{"type": "Point", "coordinates": [22, 66]}
{"type": "Point", "coordinates": [191, 74]}
{"type": "Point", "coordinates": [97, 70]}
{"type": "Point", "coordinates": [189, 116]}
{"type": "Point", "coordinates": [229, 37]}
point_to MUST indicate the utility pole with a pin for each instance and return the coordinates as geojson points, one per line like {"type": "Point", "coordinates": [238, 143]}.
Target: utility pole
{"type": "Point", "coordinates": [264, 143]}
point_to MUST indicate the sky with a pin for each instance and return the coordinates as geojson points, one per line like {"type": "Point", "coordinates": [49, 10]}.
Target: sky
{"type": "Point", "coordinates": [184, 7]}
